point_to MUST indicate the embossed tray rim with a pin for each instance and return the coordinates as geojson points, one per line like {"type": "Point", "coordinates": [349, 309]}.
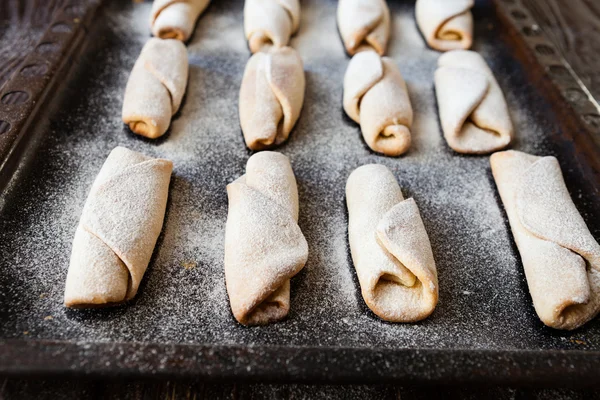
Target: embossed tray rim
{"type": "Point", "coordinates": [306, 364]}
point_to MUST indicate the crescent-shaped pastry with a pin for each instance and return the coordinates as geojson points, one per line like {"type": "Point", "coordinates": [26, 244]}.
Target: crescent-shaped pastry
{"type": "Point", "coordinates": [376, 97]}
{"type": "Point", "coordinates": [156, 87]}
{"type": "Point", "coordinates": [473, 111]}
{"type": "Point", "coordinates": [175, 19]}
{"type": "Point", "coordinates": [264, 246]}
{"type": "Point", "coordinates": [390, 247]}
{"type": "Point", "coordinates": [560, 256]}
{"type": "Point", "coordinates": [270, 23]}
{"type": "Point", "coordinates": [446, 24]}
{"type": "Point", "coordinates": [118, 229]}
{"type": "Point", "coordinates": [363, 25]}
{"type": "Point", "coordinates": [271, 97]}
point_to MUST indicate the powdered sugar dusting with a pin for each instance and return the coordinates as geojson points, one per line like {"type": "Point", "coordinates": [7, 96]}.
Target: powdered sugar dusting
{"type": "Point", "coordinates": [182, 298]}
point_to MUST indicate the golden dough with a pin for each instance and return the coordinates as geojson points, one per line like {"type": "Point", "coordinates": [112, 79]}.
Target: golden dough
{"type": "Point", "coordinates": [264, 247]}
{"type": "Point", "coordinates": [473, 111]}
{"type": "Point", "coordinates": [155, 87]}
{"type": "Point", "coordinates": [175, 19]}
{"type": "Point", "coordinates": [270, 23]}
{"type": "Point", "coordinates": [118, 229]}
{"type": "Point", "coordinates": [376, 97]}
{"type": "Point", "coordinates": [390, 247]}
{"type": "Point", "coordinates": [560, 256]}
{"type": "Point", "coordinates": [446, 24]}
{"type": "Point", "coordinates": [364, 25]}
{"type": "Point", "coordinates": [271, 97]}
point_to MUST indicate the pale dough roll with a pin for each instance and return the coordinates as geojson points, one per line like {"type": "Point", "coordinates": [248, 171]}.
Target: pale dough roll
{"type": "Point", "coordinates": [390, 247]}
{"type": "Point", "coordinates": [446, 24]}
{"type": "Point", "coordinates": [175, 19]}
{"type": "Point", "coordinates": [156, 87]}
{"type": "Point", "coordinates": [560, 257]}
{"type": "Point", "coordinates": [270, 23]}
{"type": "Point", "coordinates": [118, 229]}
{"type": "Point", "coordinates": [264, 246]}
{"type": "Point", "coordinates": [376, 97]}
{"type": "Point", "coordinates": [473, 111]}
{"type": "Point", "coordinates": [364, 25]}
{"type": "Point", "coordinates": [271, 97]}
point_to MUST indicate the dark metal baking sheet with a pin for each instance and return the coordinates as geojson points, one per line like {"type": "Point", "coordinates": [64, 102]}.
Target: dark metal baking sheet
{"type": "Point", "coordinates": [484, 328]}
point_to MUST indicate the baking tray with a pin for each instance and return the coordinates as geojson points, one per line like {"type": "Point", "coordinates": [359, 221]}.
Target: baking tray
{"type": "Point", "coordinates": [484, 329]}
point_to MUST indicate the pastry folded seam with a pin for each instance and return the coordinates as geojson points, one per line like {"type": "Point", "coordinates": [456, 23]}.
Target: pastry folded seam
{"type": "Point", "coordinates": [473, 111]}
{"type": "Point", "coordinates": [364, 25]}
{"type": "Point", "coordinates": [390, 247]}
{"type": "Point", "coordinates": [376, 97]}
{"type": "Point", "coordinates": [270, 23]}
{"type": "Point", "coordinates": [560, 257]}
{"type": "Point", "coordinates": [264, 246]}
{"type": "Point", "coordinates": [402, 235]}
{"type": "Point", "coordinates": [548, 212]}
{"type": "Point", "coordinates": [401, 232]}
{"type": "Point", "coordinates": [119, 226]}
{"type": "Point", "coordinates": [99, 221]}
{"type": "Point", "coordinates": [446, 24]}
{"type": "Point", "coordinates": [175, 19]}
{"type": "Point", "coordinates": [156, 87]}
{"type": "Point", "coordinates": [271, 97]}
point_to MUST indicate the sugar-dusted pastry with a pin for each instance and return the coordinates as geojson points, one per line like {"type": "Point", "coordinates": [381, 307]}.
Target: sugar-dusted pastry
{"type": "Point", "coordinates": [156, 87]}
{"type": "Point", "coordinates": [264, 246]}
{"type": "Point", "coordinates": [473, 111]}
{"type": "Point", "coordinates": [446, 24]}
{"type": "Point", "coordinates": [390, 247]}
{"type": "Point", "coordinates": [364, 25]}
{"type": "Point", "coordinates": [269, 23]}
{"type": "Point", "coordinates": [175, 19]}
{"type": "Point", "coordinates": [376, 97]}
{"type": "Point", "coordinates": [118, 229]}
{"type": "Point", "coordinates": [271, 97]}
{"type": "Point", "coordinates": [560, 256]}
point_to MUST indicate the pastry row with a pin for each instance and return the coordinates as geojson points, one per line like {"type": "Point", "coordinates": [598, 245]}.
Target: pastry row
{"type": "Point", "coordinates": [445, 24]}
{"type": "Point", "coordinates": [473, 112]}
{"type": "Point", "coordinates": [264, 245]}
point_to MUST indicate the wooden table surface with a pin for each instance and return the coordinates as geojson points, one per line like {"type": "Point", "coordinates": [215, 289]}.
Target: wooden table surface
{"type": "Point", "coordinates": [574, 27]}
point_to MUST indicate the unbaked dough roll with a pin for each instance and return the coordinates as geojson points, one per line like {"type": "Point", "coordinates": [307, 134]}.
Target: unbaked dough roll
{"type": "Point", "coordinates": [264, 246]}
{"type": "Point", "coordinates": [118, 229]}
{"type": "Point", "coordinates": [271, 97]}
{"type": "Point", "coordinates": [560, 256]}
{"type": "Point", "coordinates": [175, 19]}
{"type": "Point", "coordinates": [473, 111]}
{"type": "Point", "coordinates": [364, 25]}
{"type": "Point", "coordinates": [446, 24]}
{"type": "Point", "coordinates": [156, 87]}
{"type": "Point", "coordinates": [390, 247]}
{"type": "Point", "coordinates": [376, 97]}
{"type": "Point", "coordinates": [269, 23]}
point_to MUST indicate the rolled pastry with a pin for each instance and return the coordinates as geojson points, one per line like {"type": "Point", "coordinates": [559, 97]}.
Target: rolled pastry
{"type": "Point", "coordinates": [473, 112]}
{"type": "Point", "coordinates": [118, 229]}
{"type": "Point", "coordinates": [560, 256]}
{"type": "Point", "coordinates": [156, 87]}
{"type": "Point", "coordinates": [446, 24]}
{"type": "Point", "coordinates": [264, 246]}
{"type": "Point", "coordinates": [390, 247]}
{"type": "Point", "coordinates": [175, 19]}
{"type": "Point", "coordinates": [376, 97]}
{"type": "Point", "coordinates": [364, 25]}
{"type": "Point", "coordinates": [271, 97]}
{"type": "Point", "coordinates": [269, 23]}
